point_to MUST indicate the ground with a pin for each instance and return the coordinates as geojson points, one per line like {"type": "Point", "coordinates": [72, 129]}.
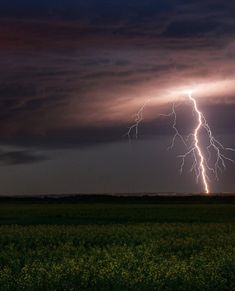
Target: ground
{"type": "Point", "coordinates": [132, 245]}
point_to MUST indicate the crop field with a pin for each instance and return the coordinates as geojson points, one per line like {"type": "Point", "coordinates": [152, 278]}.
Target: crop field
{"type": "Point", "coordinates": [112, 246]}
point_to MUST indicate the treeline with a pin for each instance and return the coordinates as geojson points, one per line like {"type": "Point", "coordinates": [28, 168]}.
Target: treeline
{"type": "Point", "coordinates": [127, 198]}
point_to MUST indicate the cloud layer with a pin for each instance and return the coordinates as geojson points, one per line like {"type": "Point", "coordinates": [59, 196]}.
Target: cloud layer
{"type": "Point", "coordinates": [75, 72]}
{"type": "Point", "coordinates": [16, 157]}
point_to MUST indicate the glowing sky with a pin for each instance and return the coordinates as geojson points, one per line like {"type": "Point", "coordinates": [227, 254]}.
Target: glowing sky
{"type": "Point", "coordinates": [73, 74]}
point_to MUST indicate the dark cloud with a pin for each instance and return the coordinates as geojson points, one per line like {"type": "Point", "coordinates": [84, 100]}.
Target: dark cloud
{"type": "Point", "coordinates": [76, 72]}
{"type": "Point", "coordinates": [190, 28]}
{"type": "Point", "coordinates": [92, 9]}
{"type": "Point", "coordinates": [71, 24]}
{"type": "Point", "coordinates": [20, 157]}
{"type": "Point", "coordinates": [13, 90]}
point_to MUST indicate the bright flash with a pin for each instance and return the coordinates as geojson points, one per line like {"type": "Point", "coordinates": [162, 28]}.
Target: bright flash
{"type": "Point", "coordinates": [201, 155]}
{"type": "Point", "coordinates": [196, 143]}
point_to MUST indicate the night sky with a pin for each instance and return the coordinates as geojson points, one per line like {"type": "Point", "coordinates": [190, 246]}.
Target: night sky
{"type": "Point", "coordinates": [75, 72]}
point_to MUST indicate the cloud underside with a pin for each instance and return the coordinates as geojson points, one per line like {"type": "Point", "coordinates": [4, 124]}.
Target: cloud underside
{"type": "Point", "coordinates": [76, 76]}
{"type": "Point", "coordinates": [18, 157]}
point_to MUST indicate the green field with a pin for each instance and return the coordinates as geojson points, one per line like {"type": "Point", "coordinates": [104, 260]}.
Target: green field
{"type": "Point", "coordinates": [111, 246]}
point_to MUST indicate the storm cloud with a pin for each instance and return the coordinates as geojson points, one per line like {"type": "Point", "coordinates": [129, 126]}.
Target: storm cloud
{"type": "Point", "coordinates": [16, 157]}
{"type": "Point", "coordinates": [73, 74]}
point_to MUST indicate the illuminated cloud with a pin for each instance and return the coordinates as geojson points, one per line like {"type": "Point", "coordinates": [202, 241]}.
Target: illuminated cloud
{"type": "Point", "coordinates": [71, 67]}
{"type": "Point", "coordinates": [74, 73]}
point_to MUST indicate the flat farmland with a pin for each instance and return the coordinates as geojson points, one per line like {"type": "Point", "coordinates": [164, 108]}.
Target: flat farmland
{"type": "Point", "coordinates": [117, 246]}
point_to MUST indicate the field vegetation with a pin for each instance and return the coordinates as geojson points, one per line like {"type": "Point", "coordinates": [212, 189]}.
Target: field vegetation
{"type": "Point", "coordinates": [110, 246]}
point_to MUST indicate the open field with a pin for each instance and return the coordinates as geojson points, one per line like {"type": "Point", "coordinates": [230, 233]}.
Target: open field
{"type": "Point", "coordinates": [117, 246]}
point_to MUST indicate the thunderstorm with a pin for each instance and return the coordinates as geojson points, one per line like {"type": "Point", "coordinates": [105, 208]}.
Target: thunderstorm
{"type": "Point", "coordinates": [201, 155]}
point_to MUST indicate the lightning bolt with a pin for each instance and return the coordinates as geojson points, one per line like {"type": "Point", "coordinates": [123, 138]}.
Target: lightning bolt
{"type": "Point", "coordinates": [197, 146]}
{"type": "Point", "coordinates": [137, 120]}
{"type": "Point", "coordinates": [202, 166]}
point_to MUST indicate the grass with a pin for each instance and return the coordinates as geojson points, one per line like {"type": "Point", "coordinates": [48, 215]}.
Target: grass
{"type": "Point", "coordinates": [110, 246]}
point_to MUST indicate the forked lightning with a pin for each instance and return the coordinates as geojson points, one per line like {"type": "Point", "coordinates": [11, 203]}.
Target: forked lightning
{"type": "Point", "coordinates": [200, 154]}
